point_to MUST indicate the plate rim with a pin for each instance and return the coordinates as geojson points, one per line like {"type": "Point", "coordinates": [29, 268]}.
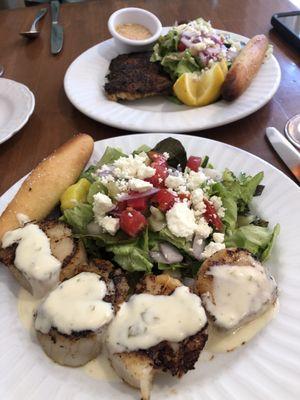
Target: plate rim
{"type": "Point", "coordinates": [132, 127]}
{"type": "Point", "coordinates": [24, 121]}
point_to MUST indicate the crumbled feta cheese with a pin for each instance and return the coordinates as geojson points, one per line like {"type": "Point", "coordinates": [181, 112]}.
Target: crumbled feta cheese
{"type": "Point", "coordinates": [139, 185]}
{"type": "Point", "coordinates": [102, 205]}
{"type": "Point", "coordinates": [218, 237]}
{"type": "Point", "coordinates": [181, 220]}
{"type": "Point", "coordinates": [203, 230]}
{"type": "Point", "coordinates": [213, 174]}
{"type": "Point", "coordinates": [166, 155]}
{"type": "Point", "coordinates": [133, 167]}
{"type": "Point", "coordinates": [110, 225]}
{"type": "Point", "coordinates": [173, 181]}
{"type": "Point", "coordinates": [212, 248]}
{"type": "Point", "coordinates": [217, 202]}
{"type": "Point", "coordinates": [195, 179]}
{"type": "Point", "coordinates": [197, 199]}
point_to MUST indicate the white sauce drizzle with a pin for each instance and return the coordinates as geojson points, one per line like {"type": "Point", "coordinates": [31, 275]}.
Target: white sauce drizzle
{"type": "Point", "coordinates": [146, 320]}
{"type": "Point", "coordinates": [33, 258]}
{"type": "Point", "coordinates": [75, 305]}
{"type": "Point", "coordinates": [238, 292]}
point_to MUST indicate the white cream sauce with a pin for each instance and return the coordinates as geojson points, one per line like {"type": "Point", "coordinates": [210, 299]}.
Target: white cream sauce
{"type": "Point", "coordinates": [146, 320]}
{"type": "Point", "coordinates": [238, 291]}
{"type": "Point", "coordinates": [101, 369]}
{"type": "Point", "coordinates": [33, 257]}
{"type": "Point", "coordinates": [75, 305]}
{"type": "Point", "coordinates": [225, 341]}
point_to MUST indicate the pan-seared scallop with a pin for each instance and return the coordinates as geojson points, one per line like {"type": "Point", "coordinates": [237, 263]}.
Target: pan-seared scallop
{"type": "Point", "coordinates": [161, 327]}
{"type": "Point", "coordinates": [234, 287]}
{"type": "Point", "coordinates": [41, 255]}
{"type": "Point", "coordinates": [71, 321]}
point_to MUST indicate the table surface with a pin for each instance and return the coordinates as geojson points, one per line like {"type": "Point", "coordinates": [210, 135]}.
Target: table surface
{"type": "Point", "coordinates": [55, 119]}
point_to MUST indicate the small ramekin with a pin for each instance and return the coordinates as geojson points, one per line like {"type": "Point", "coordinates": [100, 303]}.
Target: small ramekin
{"type": "Point", "coordinates": [133, 15]}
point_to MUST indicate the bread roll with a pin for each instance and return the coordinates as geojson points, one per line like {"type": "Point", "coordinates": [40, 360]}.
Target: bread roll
{"type": "Point", "coordinates": [244, 67]}
{"type": "Point", "coordinates": [41, 190]}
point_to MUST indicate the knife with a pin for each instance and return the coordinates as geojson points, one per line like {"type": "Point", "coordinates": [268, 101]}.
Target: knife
{"type": "Point", "coordinates": [285, 150]}
{"type": "Point", "coordinates": [57, 32]}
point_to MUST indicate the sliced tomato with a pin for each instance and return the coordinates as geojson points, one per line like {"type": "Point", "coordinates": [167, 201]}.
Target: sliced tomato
{"type": "Point", "coordinates": [211, 215]}
{"type": "Point", "coordinates": [132, 222]}
{"type": "Point", "coordinates": [194, 163]}
{"type": "Point", "coordinates": [164, 200]}
{"type": "Point", "coordinates": [181, 46]}
{"type": "Point", "coordinates": [183, 196]}
{"type": "Point", "coordinates": [139, 204]}
{"type": "Point", "coordinates": [120, 206]}
{"type": "Point", "coordinates": [161, 173]}
{"type": "Point", "coordinates": [157, 157]}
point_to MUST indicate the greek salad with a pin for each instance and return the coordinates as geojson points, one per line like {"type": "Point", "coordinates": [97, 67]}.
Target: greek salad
{"type": "Point", "coordinates": [159, 209]}
{"type": "Point", "coordinates": [193, 47]}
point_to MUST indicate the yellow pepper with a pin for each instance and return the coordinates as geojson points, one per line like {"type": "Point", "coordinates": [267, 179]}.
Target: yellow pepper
{"type": "Point", "coordinates": [75, 194]}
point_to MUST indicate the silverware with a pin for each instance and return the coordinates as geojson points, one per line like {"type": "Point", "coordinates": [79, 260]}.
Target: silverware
{"type": "Point", "coordinates": [285, 150]}
{"type": "Point", "coordinates": [292, 130]}
{"type": "Point", "coordinates": [1, 70]}
{"type": "Point", "coordinates": [33, 32]}
{"type": "Point", "coordinates": [57, 32]}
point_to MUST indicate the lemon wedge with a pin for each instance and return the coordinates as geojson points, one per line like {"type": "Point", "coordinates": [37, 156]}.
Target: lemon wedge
{"type": "Point", "coordinates": [195, 89]}
{"type": "Point", "coordinates": [75, 194]}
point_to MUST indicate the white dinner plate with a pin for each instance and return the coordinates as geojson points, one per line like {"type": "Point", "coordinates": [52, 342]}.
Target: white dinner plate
{"type": "Point", "coordinates": [266, 368]}
{"type": "Point", "coordinates": [85, 78]}
{"type": "Point", "coordinates": [16, 106]}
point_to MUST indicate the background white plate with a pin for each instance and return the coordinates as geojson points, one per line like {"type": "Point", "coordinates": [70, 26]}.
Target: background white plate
{"type": "Point", "coordinates": [85, 78]}
{"type": "Point", "coordinates": [16, 106]}
{"type": "Point", "coordinates": [266, 368]}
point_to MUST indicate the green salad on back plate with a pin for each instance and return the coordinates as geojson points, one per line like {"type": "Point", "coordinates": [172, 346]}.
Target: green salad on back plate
{"type": "Point", "coordinates": [157, 209]}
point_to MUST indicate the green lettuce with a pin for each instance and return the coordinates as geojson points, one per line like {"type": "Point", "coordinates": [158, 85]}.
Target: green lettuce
{"type": "Point", "coordinates": [256, 239]}
{"type": "Point", "coordinates": [141, 149]}
{"type": "Point", "coordinates": [110, 155]}
{"type": "Point", "coordinates": [88, 174]}
{"type": "Point", "coordinates": [78, 217]}
{"type": "Point", "coordinates": [166, 235]}
{"type": "Point", "coordinates": [166, 44]}
{"type": "Point", "coordinates": [243, 188]}
{"type": "Point", "coordinates": [130, 257]}
{"type": "Point", "coordinates": [96, 187]}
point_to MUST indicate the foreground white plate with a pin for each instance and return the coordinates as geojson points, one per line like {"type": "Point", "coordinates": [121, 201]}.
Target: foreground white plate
{"type": "Point", "coordinates": [85, 78]}
{"type": "Point", "coordinates": [16, 106]}
{"type": "Point", "coordinates": [266, 368]}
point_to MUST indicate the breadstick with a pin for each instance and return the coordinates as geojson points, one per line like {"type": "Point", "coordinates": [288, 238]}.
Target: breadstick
{"type": "Point", "coordinates": [245, 67]}
{"type": "Point", "coordinates": [41, 190]}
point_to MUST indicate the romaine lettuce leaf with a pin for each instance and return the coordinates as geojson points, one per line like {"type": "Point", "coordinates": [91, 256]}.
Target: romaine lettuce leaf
{"type": "Point", "coordinates": [166, 44]}
{"type": "Point", "coordinates": [166, 235]}
{"type": "Point", "coordinates": [88, 174]}
{"type": "Point", "coordinates": [130, 257]}
{"type": "Point", "coordinates": [267, 251]}
{"type": "Point", "coordinates": [256, 239]}
{"type": "Point", "coordinates": [95, 187]}
{"type": "Point", "coordinates": [110, 155]}
{"type": "Point", "coordinates": [141, 149]}
{"type": "Point", "coordinates": [78, 217]}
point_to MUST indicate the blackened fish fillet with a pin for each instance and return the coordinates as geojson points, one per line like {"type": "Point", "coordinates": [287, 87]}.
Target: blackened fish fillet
{"type": "Point", "coordinates": [134, 76]}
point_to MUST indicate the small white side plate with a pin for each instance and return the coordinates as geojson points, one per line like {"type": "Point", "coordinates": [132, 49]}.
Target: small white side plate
{"type": "Point", "coordinates": [16, 106]}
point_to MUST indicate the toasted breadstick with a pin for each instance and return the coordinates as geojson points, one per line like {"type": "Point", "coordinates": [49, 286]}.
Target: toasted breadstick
{"type": "Point", "coordinates": [245, 67]}
{"type": "Point", "coordinates": [41, 190]}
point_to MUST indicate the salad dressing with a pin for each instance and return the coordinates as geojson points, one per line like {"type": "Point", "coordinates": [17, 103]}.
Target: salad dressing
{"type": "Point", "coordinates": [33, 257]}
{"type": "Point", "coordinates": [133, 31]}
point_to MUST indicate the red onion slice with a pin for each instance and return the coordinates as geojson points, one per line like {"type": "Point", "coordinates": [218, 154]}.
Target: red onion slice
{"type": "Point", "coordinates": [128, 196]}
{"type": "Point", "coordinates": [158, 257]}
{"type": "Point", "coordinates": [198, 247]}
{"type": "Point", "coordinates": [170, 253]}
